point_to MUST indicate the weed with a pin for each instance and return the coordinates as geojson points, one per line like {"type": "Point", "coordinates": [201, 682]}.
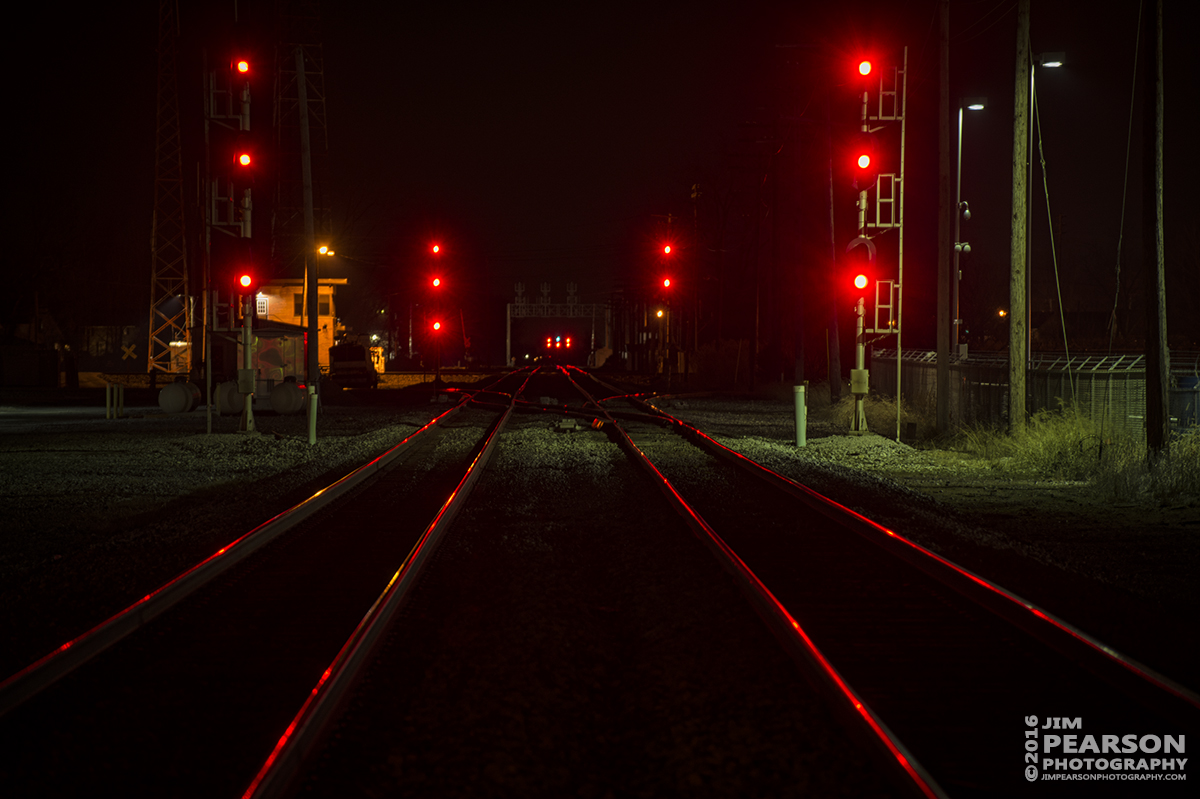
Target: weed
{"type": "Point", "coordinates": [881, 416]}
{"type": "Point", "coordinates": [1068, 445]}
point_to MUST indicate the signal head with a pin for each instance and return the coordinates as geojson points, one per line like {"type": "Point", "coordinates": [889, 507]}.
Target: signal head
{"type": "Point", "coordinates": [245, 283]}
{"type": "Point", "coordinates": [864, 156]}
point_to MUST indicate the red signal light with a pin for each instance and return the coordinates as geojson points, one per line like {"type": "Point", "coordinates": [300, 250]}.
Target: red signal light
{"type": "Point", "coordinates": [437, 325]}
{"type": "Point", "coordinates": [864, 67]}
{"type": "Point", "coordinates": [860, 282]}
{"type": "Point", "coordinates": [437, 281]}
{"type": "Point", "coordinates": [436, 249]}
{"type": "Point", "coordinates": [667, 249]}
{"type": "Point", "coordinates": [243, 66]}
{"type": "Point", "coordinates": [244, 159]}
{"type": "Point", "coordinates": [666, 282]}
{"type": "Point", "coordinates": [245, 283]}
{"type": "Point", "coordinates": [864, 155]}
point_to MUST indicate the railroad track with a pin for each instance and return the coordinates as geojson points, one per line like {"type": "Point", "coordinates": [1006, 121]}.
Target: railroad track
{"type": "Point", "coordinates": [141, 706]}
{"type": "Point", "coordinates": [518, 647]}
{"type": "Point", "coordinates": [946, 665]}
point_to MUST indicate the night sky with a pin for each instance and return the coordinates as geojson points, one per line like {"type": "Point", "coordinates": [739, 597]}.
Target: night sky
{"type": "Point", "coordinates": [544, 146]}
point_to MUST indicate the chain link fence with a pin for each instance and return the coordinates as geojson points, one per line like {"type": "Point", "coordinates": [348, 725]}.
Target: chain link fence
{"type": "Point", "coordinates": [1109, 389]}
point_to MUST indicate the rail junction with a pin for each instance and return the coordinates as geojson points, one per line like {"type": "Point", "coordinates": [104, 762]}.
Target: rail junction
{"type": "Point", "coordinates": [489, 606]}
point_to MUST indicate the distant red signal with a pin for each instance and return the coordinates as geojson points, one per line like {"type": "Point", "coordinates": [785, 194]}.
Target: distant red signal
{"type": "Point", "coordinates": [864, 67]}
{"type": "Point", "coordinates": [437, 325]}
{"type": "Point", "coordinates": [243, 66]}
{"type": "Point", "coordinates": [666, 282]}
{"type": "Point", "coordinates": [437, 281]}
{"type": "Point", "coordinates": [666, 249]}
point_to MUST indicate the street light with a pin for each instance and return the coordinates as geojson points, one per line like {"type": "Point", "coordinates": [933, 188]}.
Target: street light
{"type": "Point", "coordinates": [1049, 61]}
{"type": "Point", "coordinates": [961, 212]}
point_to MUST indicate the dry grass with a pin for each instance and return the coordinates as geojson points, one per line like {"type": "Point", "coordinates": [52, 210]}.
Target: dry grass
{"type": "Point", "coordinates": [1067, 445]}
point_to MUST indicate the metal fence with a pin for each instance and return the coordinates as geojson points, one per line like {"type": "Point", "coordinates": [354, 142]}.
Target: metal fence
{"type": "Point", "coordinates": [1110, 389]}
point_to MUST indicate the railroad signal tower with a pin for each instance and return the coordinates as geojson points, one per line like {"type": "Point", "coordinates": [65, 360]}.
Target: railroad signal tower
{"type": "Point", "coordinates": [227, 107]}
{"type": "Point", "coordinates": [878, 170]}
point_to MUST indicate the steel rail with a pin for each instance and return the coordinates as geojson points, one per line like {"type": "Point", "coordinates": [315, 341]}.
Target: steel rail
{"type": "Point", "coordinates": [848, 705]}
{"type": "Point", "coordinates": [50, 668]}
{"type": "Point", "coordinates": [283, 765]}
{"type": "Point", "coordinates": [1135, 678]}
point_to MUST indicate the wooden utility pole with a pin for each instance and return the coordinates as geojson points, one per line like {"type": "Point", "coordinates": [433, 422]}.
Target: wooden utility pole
{"type": "Point", "coordinates": [1017, 355]}
{"type": "Point", "coordinates": [944, 224]}
{"type": "Point", "coordinates": [832, 342]}
{"type": "Point", "coordinates": [311, 279]}
{"type": "Point", "coordinates": [1158, 358]}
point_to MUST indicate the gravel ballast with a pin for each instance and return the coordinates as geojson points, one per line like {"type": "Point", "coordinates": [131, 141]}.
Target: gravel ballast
{"type": "Point", "coordinates": [99, 512]}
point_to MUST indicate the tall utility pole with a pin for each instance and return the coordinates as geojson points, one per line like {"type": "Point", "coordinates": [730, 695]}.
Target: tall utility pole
{"type": "Point", "coordinates": [944, 239]}
{"type": "Point", "coordinates": [832, 342]}
{"type": "Point", "coordinates": [1158, 358]}
{"type": "Point", "coordinates": [298, 26]}
{"type": "Point", "coordinates": [170, 303]}
{"type": "Point", "coordinates": [311, 280]}
{"type": "Point", "coordinates": [1017, 355]}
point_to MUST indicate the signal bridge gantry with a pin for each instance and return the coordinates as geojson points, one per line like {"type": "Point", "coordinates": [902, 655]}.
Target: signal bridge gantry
{"type": "Point", "coordinates": [542, 308]}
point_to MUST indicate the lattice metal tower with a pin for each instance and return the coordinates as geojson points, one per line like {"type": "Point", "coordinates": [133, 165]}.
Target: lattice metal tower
{"type": "Point", "coordinates": [170, 304]}
{"type": "Point", "coordinates": [298, 24]}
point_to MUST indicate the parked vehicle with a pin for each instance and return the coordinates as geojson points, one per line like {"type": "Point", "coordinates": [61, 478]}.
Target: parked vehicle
{"type": "Point", "coordinates": [350, 366]}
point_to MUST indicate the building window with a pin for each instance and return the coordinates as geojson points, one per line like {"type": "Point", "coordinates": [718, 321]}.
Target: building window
{"type": "Point", "coordinates": [263, 306]}
{"type": "Point", "coordinates": [298, 304]}
{"type": "Point", "coordinates": [322, 305]}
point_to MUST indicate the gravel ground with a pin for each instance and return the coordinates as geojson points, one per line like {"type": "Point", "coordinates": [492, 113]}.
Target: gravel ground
{"type": "Point", "coordinates": [96, 512]}
{"type": "Point", "coordinates": [1126, 573]}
